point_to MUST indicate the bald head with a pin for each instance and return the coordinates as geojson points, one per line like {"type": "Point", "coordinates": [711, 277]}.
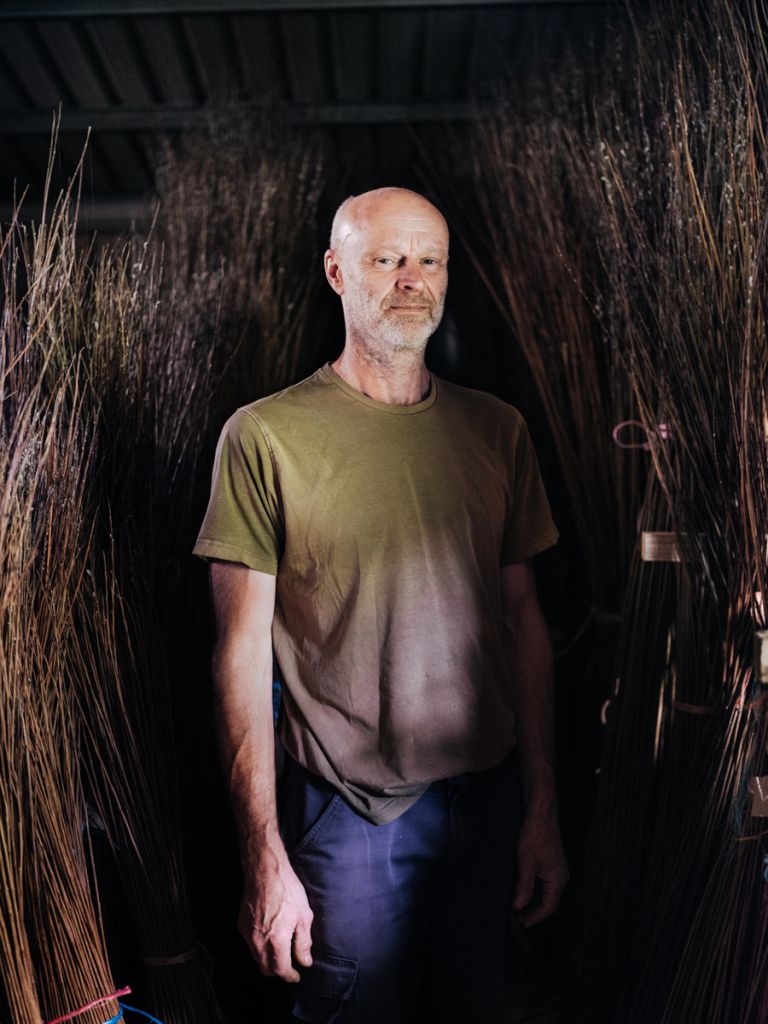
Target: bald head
{"type": "Point", "coordinates": [388, 261]}
{"type": "Point", "coordinates": [356, 212]}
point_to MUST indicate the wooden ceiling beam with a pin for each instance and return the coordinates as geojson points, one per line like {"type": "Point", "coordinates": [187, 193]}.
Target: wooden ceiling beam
{"type": "Point", "coordinates": [171, 119]}
{"type": "Point", "coordinates": [104, 213]}
{"type": "Point", "coordinates": [111, 8]}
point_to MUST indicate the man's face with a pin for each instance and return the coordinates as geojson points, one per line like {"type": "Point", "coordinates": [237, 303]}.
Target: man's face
{"type": "Point", "coordinates": [394, 272]}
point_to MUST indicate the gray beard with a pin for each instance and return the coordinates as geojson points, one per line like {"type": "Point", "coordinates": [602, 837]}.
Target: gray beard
{"type": "Point", "coordinates": [385, 338]}
{"type": "Point", "coordinates": [392, 336]}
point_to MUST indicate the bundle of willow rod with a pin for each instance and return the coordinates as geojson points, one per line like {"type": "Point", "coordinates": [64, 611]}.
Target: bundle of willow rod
{"type": "Point", "coordinates": [238, 220]}
{"type": "Point", "coordinates": [534, 242]}
{"type": "Point", "coordinates": [21, 997]}
{"type": "Point", "coordinates": [686, 267]}
{"type": "Point", "coordinates": [68, 946]}
{"type": "Point", "coordinates": [140, 361]}
{"type": "Point", "coordinates": [54, 336]}
{"type": "Point", "coordinates": [50, 932]}
{"type": "Point", "coordinates": [149, 355]}
{"type": "Point", "coordinates": [616, 892]}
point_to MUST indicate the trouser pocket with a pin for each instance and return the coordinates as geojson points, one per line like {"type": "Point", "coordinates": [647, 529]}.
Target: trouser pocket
{"type": "Point", "coordinates": [324, 989]}
{"type": "Point", "coordinates": [306, 805]}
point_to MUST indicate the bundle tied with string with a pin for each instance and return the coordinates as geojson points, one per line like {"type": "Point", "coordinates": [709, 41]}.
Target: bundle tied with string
{"type": "Point", "coordinates": [50, 927]}
{"type": "Point", "coordinates": [685, 263]}
{"type": "Point", "coordinates": [57, 345]}
{"type": "Point", "coordinates": [614, 894]}
{"type": "Point", "coordinates": [101, 1001]}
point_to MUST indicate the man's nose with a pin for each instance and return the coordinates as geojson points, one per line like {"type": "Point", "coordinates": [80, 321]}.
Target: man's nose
{"type": "Point", "coordinates": [409, 277]}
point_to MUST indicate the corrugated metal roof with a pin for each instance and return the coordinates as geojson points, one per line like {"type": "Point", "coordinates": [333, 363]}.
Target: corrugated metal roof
{"type": "Point", "coordinates": [135, 71]}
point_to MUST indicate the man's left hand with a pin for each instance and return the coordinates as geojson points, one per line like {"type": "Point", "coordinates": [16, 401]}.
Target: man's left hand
{"type": "Point", "coordinates": [540, 859]}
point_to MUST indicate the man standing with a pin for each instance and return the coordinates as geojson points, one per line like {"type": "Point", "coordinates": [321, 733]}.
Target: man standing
{"type": "Point", "coordinates": [373, 525]}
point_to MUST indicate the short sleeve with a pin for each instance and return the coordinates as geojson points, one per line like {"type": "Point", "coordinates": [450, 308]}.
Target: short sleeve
{"type": "Point", "coordinates": [528, 527]}
{"type": "Point", "coordinates": [243, 521]}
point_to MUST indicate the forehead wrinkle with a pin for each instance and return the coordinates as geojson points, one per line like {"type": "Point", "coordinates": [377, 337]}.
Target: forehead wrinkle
{"type": "Point", "coordinates": [424, 243]}
{"type": "Point", "coordinates": [404, 239]}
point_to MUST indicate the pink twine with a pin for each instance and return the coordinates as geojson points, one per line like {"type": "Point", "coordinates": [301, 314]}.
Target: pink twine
{"type": "Point", "coordinates": [604, 712]}
{"type": "Point", "coordinates": [89, 1006]}
{"type": "Point", "coordinates": [662, 431]}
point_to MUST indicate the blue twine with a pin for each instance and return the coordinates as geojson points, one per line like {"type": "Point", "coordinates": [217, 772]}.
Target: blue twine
{"type": "Point", "coordinates": [765, 867]}
{"type": "Point", "coordinates": [277, 695]}
{"type": "Point", "coordinates": [118, 1017]}
{"type": "Point", "coordinates": [142, 1013]}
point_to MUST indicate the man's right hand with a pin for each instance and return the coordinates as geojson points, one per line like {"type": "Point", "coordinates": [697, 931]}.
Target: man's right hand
{"type": "Point", "coordinates": [275, 917]}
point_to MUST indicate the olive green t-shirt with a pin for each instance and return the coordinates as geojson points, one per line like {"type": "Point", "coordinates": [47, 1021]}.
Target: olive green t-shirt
{"type": "Point", "coordinates": [386, 526]}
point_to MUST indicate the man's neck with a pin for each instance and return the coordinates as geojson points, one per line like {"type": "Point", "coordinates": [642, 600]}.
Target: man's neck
{"type": "Point", "coordinates": [401, 379]}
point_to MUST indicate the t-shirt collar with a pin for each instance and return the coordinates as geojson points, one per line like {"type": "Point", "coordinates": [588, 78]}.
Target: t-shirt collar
{"type": "Point", "coordinates": [328, 374]}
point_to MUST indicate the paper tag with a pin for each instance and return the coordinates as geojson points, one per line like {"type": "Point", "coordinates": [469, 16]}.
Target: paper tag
{"type": "Point", "coordinates": [659, 547]}
{"type": "Point", "coordinates": [761, 655]}
{"type": "Point", "coordinates": [758, 787]}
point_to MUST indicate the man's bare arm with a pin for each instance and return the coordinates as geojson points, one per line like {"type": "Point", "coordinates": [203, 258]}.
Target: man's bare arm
{"type": "Point", "coordinates": [275, 917]}
{"type": "Point", "coordinates": [540, 852]}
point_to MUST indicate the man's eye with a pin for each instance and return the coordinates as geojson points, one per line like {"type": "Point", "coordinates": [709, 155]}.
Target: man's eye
{"type": "Point", "coordinates": [384, 259]}
{"type": "Point", "coordinates": [432, 262]}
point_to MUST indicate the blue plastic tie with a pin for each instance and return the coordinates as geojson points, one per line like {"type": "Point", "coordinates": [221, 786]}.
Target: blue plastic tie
{"type": "Point", "coordinates": [765, 867]}
{"type": "Point", "coordinates": [118, 1017]}
{"type": "Point", "coordinates": [142, 1013]}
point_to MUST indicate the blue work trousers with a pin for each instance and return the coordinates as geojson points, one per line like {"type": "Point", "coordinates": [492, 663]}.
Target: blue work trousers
{"type": "Point", "coordinates": [410, 917]}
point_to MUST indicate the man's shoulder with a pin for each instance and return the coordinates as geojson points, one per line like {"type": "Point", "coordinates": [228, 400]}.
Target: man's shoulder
{"type": "Point", "coordinates": [282, 407]}
{"type": "Point", "coordinates": [306, 392]}
{"type": "Point", "coordinates": [480, 404]}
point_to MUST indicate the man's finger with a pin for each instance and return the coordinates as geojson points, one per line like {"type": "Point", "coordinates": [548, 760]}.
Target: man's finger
{"type": "Point", "coordinates": [545, 909]}
{"type": "Point", "coordinates": [302, 944]}
{"type": "Point", "coordinates": [273, 955]}
{"type": "Point", "coordinates": [551, 891]}
{"type": "Point", "coordinates": [524, 888]}
{"type": "Point", "coordinates": [279, 958]}
{"type": "Point", "coordinates": [535, 916]}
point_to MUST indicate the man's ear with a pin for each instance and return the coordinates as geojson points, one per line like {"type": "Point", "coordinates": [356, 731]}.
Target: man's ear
{"type": "Point", "coordinates": [333, 271]}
